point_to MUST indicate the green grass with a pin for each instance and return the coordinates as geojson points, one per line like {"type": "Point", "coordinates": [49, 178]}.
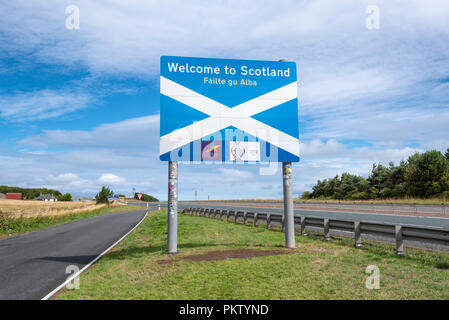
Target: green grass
{"type": "Point", "coordinates": [14, 226]}
{"type": "Point", "coordinates": [318, 269]}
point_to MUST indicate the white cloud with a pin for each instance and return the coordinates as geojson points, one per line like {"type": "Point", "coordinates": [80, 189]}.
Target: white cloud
{"type": "Point", "coordinates": [318, 148]}
{"type": "Point", "coordinates": [321, 30]}
{"type": "Point", "coordinates": [63, 177]}
{"type": "Point", "coordinates": [227, 175]}
{"type": "Point", "coordinates": [132, 133]}
{"type": "Point", "coordinates": [39, 105]}
{"type": "Point", "coordinates": [385, 88]}
{"type": "Point", "coordinates": [109, 178]}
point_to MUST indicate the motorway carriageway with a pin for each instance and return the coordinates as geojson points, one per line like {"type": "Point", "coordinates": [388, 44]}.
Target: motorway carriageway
{"type": "Point", "coordinates": [400, 219]}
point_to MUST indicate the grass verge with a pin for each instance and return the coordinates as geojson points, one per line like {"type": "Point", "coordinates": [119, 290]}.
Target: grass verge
{"type": "Point", "coordinates": [10, 226]}
{"type": "Point", "coordinates": [317, 269]}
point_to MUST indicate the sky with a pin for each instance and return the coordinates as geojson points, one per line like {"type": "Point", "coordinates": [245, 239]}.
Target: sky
{"type": "Point", "coordinates": [79, 108]}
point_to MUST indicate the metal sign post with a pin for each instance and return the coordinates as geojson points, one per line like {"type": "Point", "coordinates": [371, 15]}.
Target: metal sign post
{"type": "Point", "coordinates": [289, 222]}
{"type": "Point", "coordinates": [172, 246]}
{"type": "Point", "coordinates": [289, 216]}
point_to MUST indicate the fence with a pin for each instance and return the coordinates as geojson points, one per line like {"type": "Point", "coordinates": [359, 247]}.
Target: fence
{"type": "Point", "coordinates": [399, 233]}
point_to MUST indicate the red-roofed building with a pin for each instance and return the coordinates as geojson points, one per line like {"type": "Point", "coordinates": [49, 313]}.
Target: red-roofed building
{"type": "Point", "coordinates": [14, 196]}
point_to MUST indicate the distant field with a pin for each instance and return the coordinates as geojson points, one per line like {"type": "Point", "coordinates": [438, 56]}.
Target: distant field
{"type": "Point", "coordinates": [28, 209]}
{"type": "Point", "coordinates": [24, 216]}
{"type": "Point", "coordinates": [222, 260]}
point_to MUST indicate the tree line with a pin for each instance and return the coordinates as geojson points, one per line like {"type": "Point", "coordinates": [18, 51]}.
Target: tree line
{"type": "Point", "coordinates": [423, 175]}
{"type": "Point", "coordinates": [32, 193]}
{"type": "Point", "coordinates": [105, 192]}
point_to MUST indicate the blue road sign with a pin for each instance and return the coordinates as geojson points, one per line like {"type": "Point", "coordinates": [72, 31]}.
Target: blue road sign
{"type": "Point", "coordinates": [228, 110]}
{"type": "Point", "coordinates": [114, 198]}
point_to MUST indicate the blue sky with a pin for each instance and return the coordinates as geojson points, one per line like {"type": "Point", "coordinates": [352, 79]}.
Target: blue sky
{"type": "Point", "coordinates": [80, 108]}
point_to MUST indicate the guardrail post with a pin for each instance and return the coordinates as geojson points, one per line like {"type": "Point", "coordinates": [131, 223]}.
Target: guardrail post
{"type": "Point", "coordinates": [268, 221]}
{"type": "Point", "coordinates": [357, 235]}
{"type": "Point", "coordinates": [399, 240]}
{"type": "Point", "coordinates": [255, 219]}
{"type": "Point", "coordinates": [326, 229]}
{"type": "Point", "coordinates": [227, 215]}
{"type": "Point", "coordinates": [283, 224]}
{"type": "Point", "coordinates": [303, 226]}
{"type": "Point", "coordinates": [244, 217]}
{"type": "Point", "coordinates": [236, 216]}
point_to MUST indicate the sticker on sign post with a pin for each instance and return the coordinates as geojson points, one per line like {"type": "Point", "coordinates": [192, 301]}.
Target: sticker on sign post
{"type": "Point", "coordinates": [226, 110]}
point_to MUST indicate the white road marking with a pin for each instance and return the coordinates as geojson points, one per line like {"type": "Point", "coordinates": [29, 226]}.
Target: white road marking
{"type": "Point", "coordinates": [69, 279]}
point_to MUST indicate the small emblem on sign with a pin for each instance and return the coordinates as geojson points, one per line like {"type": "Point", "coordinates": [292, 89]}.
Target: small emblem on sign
{"type": "Point", "coordinates": [244, 150]}
{"type": "Point", "coordinates": [211, 150]}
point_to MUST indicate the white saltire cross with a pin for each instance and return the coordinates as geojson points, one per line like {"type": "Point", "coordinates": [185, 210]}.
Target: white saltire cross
{"type": "Point", "coordinates": [221, 116]}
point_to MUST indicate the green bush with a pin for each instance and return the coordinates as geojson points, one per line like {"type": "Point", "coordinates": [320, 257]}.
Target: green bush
{"type": "Point", "coordinates": [305, 195]}
{"type": "Point", "coordinates": [102, 196]}
{"type": "Point", "coordinates": [65, 197]}
{"type": "Point", "coordinates": [146, 198]}
{"type": "Point", "coordinates": [359, 196]}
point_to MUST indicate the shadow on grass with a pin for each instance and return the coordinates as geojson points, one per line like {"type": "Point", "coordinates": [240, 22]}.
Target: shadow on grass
{"type": "Point", "coordinates": [136, 251]}
{"type": "Point", "coordinates": [439, 260]}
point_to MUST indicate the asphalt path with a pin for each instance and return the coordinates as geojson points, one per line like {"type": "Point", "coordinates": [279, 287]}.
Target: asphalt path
{"type": "Point", "coordinates": [400, 219]}
{"type": "Point", "coordinates": [34, 264]}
